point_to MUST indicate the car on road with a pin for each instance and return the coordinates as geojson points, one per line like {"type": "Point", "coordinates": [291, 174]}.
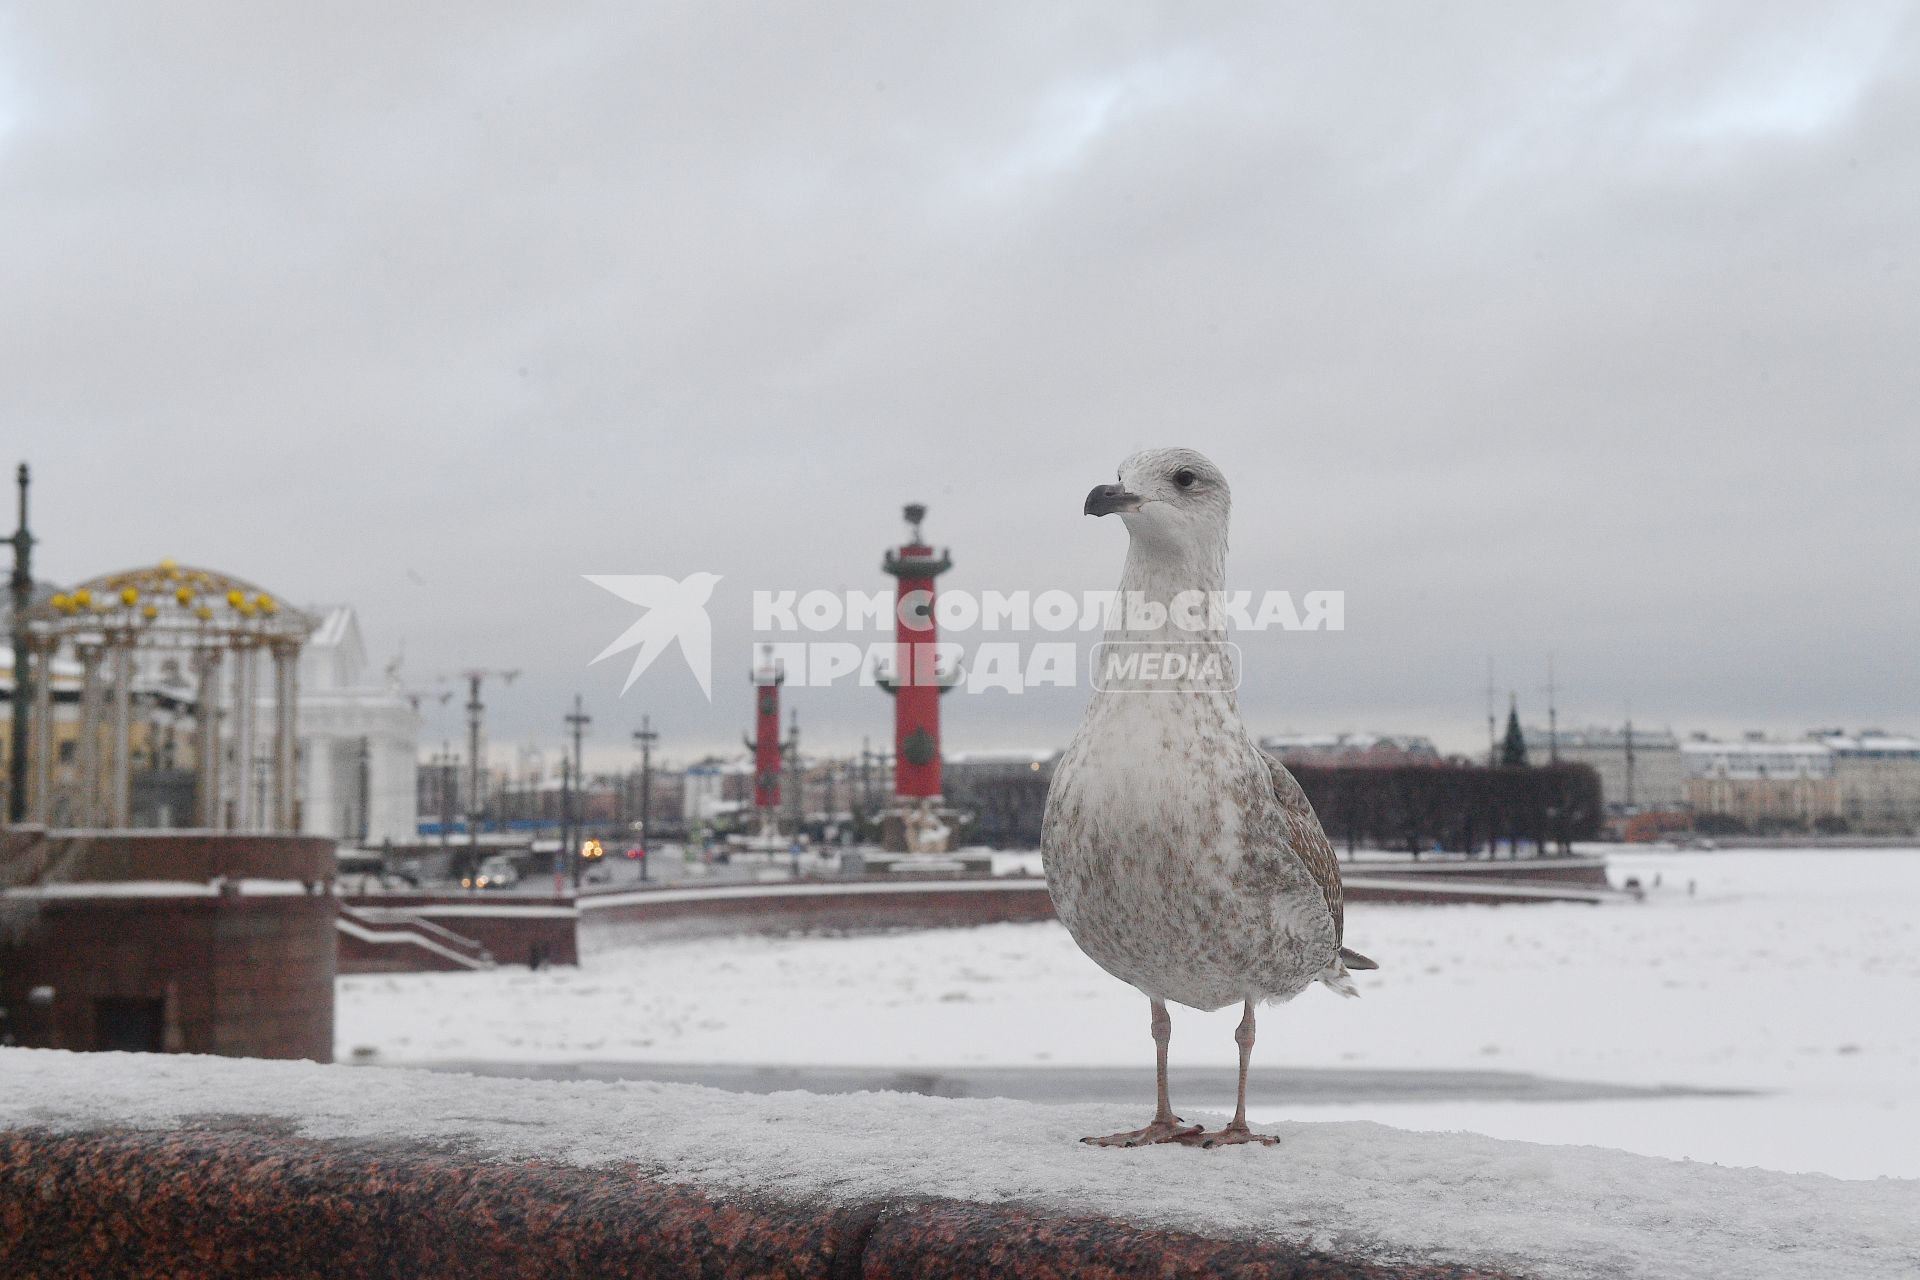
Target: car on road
{"type": "Point", "coordinates": [494, 873]}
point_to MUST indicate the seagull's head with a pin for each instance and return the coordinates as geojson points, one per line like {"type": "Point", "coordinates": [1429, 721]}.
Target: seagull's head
{"type": "Point", "coordinates": [701, 585]}
{"type": "Point", "coordinates": [1169, 498]}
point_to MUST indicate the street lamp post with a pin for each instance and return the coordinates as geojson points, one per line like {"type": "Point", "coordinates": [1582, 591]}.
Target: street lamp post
{"type": "Point", "coordinates": [444, 773]}
{"type": "Point", "coordinates": [23, 673]}
{"type": "Point", "coordinates": [646, 737]}
{"type": "Point", "coordinates": [475, 804]}
{"type": "Point", "coordinates": [577, 720]}
{"type": "Point", "coordinates": [563, 856]}
{"type": "Point", "coordinates": [796, 801]}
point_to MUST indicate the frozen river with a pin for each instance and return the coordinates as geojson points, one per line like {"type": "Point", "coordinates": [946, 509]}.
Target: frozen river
{"type": "Point", "coordinates": [1767, 1018]}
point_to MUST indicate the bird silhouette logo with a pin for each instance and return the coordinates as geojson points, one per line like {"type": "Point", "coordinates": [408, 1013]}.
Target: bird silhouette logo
{"type": "Point", "coordinates": [675, 610]}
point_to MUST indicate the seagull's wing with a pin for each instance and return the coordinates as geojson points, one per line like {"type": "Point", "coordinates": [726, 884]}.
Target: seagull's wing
{"type": "Point", "coordinates": [1309, 841]}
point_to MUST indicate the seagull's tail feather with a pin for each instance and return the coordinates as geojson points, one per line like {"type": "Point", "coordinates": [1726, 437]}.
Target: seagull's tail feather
{"type": "Point", "coordinates": [1336, 976]}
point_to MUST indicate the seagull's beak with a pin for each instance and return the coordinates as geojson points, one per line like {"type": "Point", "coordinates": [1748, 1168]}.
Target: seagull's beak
{"type": "Point", "coordinates": [1109, 498]}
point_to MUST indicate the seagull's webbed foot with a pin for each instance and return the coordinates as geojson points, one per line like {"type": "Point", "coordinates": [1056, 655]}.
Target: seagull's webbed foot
{"type": "Point", "coordinates": [1162, 1129]}
{"type": "Point", "coordinates": [1234, 1135]}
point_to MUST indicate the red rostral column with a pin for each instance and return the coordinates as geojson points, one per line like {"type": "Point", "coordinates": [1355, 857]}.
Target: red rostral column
{"type": "Point", "coordinates": [916, 685]}
{"type": "Point", "coordinates": [765, 743]}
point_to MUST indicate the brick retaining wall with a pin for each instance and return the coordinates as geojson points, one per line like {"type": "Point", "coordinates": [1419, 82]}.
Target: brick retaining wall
{"type": "Point", "coordinates": [191, 856]}
{"type": "Point", "coordinates": [721, 910]}
{"type": "Point", "coordinates": [507, 927]}
{"type": "Point", "coordinates": [646, 915]}
{"type": "Point", "coordinates": [247, 975]}
{"type": "Point", "coordinates": [187, 941]}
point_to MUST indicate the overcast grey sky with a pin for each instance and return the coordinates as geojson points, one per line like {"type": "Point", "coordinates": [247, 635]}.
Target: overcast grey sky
{"type": "Point", "coordinates": [1533, 328]}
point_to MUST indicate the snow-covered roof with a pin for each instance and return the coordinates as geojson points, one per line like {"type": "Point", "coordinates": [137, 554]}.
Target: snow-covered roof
{"type": "Point", "coordinates": [337, 625]}
{"type": "Point", "coordinates": [1757, 758]}
{"type": "Point", "coordinates": [1872, 744]}
{"type": "Point", "coordinates": [335, 656]}
{"type": "Point", "coordinates": [1348, 744]}
{"type": "Point", "coordinates": [1753, 747]}
{"type": "Point", "coordinates": [1349, 1187]}
{"type": "Point", "coordinates": [1603, 738]}
{"type": "Point", "coordinates": [733, 767]}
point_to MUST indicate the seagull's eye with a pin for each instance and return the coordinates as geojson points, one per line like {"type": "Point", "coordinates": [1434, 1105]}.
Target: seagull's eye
{"type": "Point", "coordinates": [1184, 478]}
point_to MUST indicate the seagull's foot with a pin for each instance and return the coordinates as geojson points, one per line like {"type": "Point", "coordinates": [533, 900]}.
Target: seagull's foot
{"type": "Point", "coordinates": [1169, 1130]}
{"type": "Point", "coordinates": [1234, 1135]}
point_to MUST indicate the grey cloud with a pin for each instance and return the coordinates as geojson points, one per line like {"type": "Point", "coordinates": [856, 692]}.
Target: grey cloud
{"type": "Point", "coordinates": [1533, 328]}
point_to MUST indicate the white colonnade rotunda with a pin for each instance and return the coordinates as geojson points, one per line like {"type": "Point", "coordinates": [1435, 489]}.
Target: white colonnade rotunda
{"type": "Point", "coordinates": [229, 650]}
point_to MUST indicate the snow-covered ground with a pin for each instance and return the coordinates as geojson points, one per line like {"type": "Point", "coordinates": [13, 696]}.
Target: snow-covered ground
{"type": "Point", "coordinates": [1794, 973]}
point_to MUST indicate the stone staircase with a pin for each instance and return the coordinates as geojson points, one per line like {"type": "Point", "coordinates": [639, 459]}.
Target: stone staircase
{"type": "Point", "coordinates": [393, 940]}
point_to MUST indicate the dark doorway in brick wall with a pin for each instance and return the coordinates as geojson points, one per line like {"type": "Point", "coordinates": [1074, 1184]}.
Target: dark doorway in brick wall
{"type": "Point", "coordinates": [128, 1025]}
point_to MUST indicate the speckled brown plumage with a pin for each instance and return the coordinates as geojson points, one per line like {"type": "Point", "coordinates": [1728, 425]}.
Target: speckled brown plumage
{"type": "Point", "coordinates": [1308, 840]}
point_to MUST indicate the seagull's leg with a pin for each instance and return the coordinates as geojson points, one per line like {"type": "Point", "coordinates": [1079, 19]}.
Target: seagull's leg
{"type": "Point", "coordinates": [1237, 1131]}
{"type": "Point", "coordinates": [1165, 1126]}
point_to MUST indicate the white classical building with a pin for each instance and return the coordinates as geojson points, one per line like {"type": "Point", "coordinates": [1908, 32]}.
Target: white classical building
{"type": "Point", "coordinates": [359, 738]}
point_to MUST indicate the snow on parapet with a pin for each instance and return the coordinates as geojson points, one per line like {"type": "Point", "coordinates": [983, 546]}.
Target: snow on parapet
{"type": "Point", "coordinates": [1349, 1187]}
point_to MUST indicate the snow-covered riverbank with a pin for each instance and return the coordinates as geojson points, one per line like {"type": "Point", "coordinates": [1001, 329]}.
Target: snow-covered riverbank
{"type": "Point", "coordinates": [1788, 972]}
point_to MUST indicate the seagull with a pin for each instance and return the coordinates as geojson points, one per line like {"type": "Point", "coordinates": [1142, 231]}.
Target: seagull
{"type": "Point", "coordinates": [1183, 859]}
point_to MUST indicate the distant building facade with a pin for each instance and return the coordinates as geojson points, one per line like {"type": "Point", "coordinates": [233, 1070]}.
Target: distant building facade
{"type": "Point", "coordinates": [359, 739]}
{"type": "Point", "coordinates": [1761, 783]}
{"type": "Point", "coordinates": [715, 789]}
{"type": "Point", "coordinates": [1380, 750]}
{"type": "Point", "coordinates": [1878, 778]}
{"type": "Point", "coordinates": [1003, 794]}
{"type": "Point", "coordinates": [1652, 777]}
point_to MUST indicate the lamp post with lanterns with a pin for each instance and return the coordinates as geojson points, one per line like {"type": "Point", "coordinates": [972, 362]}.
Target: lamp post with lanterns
{"type": "Point", "coordinates": [23, 670]}
{"type": "Point", "coordinates": [577, 721]}
{"type": "Point", "coordinates": [646, 737]}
